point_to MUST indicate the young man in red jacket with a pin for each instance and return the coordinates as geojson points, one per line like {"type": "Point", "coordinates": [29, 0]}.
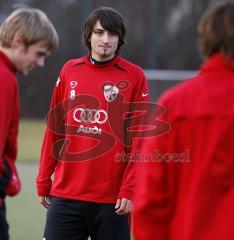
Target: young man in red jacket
{"type": "Point", "coordinates": [188, 192]}
{"type": "Point", "coordinates": [86, 136]}
{"type": "Point", "coordinates": [26, 38]}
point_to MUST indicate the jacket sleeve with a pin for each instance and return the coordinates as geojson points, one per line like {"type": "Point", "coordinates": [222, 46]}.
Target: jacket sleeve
{"type": "Point", "coordinates": [53, 134]}
{"type": "Point", "coordinates": [152, 204]}
{"type": "Point", "coordinates": [10, 149]}
{"type": "Point", "coordinates": [140, 95]}
{"type": "Point", "coordinates": [11, 145]}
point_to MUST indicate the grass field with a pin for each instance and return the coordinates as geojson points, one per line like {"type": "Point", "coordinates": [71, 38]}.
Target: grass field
{"type": "Point", "coordinates": [30, 139]}
{"type": "Point", "coordinates": [25, 214]}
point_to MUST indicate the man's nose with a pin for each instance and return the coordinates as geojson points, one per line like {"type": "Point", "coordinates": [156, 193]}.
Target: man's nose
{"type": "Point", "coordinates": [106, 37]}
{"type": "Point", "coordinates": [40, 62]}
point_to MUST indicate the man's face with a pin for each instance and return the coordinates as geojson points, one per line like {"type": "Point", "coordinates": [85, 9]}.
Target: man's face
{"type": "Point", "coordinates": [103, 43]}
{"type": "Point", "coordinates": [25, 59]}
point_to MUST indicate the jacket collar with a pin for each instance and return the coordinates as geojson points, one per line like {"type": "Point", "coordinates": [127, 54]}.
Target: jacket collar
{"type": "Point", "coordinates": [8, 62]}
{"type": "Point", "coordinates": [218, 63]}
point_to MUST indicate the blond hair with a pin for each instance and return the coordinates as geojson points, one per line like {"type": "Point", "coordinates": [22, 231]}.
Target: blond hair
{"type": "Point", "coordinates": [32, 25]}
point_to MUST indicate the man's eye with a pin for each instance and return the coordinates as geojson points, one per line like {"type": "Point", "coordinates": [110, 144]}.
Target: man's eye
{"type": "Point", "coordinates": [98, 32]}
{"type": "Point", "coordinates": [41, 54]}
{"type": "Point", "coordinates": [113, 33]}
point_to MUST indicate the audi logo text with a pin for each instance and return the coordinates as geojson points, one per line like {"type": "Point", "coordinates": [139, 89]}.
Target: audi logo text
{"type": "Point", "coordinates": [87, 115]}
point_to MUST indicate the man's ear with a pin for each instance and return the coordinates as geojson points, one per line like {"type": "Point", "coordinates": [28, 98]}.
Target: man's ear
{"type": "Point", "coordinates": [17, 41]}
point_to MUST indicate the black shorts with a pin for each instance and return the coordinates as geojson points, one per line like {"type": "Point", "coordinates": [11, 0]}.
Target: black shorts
{"type": "Point", "coordinates": [77, 220]}
{"type": "Point", "coordinates": [3, 222]}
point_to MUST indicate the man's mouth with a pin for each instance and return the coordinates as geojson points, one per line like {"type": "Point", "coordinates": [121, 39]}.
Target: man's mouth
{"type": "Point", "coordinates": [105, 47]}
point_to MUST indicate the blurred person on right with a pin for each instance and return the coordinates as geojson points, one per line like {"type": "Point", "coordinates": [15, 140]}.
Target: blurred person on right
{"type": "Point", "coordinates": [188, 193]}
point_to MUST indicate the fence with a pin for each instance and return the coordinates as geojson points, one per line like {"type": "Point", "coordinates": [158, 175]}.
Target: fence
{"type": "Point", "coordinates": [160, 80]}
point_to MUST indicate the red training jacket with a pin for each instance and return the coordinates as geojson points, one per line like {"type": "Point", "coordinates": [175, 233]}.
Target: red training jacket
{"type": "Point", "coordinates": [9, 121]}
{"type": "Point", "coordinates": [86, 134]}
{"type": "Point", "coordinates": [187, 193]}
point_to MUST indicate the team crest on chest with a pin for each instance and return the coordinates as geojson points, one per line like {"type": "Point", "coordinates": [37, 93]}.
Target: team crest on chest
{"type": "Point", "coordinates": [110, 92]}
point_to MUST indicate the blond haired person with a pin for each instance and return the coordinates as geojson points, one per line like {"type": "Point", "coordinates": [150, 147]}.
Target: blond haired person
{"type": "Point", "coordinates": [27, 37]}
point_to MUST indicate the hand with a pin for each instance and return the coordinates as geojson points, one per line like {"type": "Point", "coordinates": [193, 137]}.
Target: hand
{"type": "Point", "coordinates": [123, 206]}
{"type": "Point", "coordinates": [45, 201]}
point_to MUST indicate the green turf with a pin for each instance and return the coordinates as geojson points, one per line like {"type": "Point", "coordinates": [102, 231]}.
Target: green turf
{"type": "Point", "coordinates": [30, 140]}
{"type": "Point", "coordinates": [25, 214]}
